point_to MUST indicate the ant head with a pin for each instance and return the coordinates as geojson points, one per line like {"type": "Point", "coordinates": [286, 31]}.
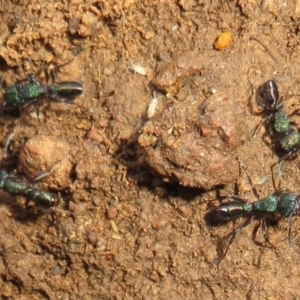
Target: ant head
{"type": "Point", "coordinates": [269, 96]}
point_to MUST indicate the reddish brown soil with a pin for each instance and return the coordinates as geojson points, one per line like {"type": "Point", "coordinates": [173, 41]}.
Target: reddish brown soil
{"type": "Point", "coordinates": [139, 188]}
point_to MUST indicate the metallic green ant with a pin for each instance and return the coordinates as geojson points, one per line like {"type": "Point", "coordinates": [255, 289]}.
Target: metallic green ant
{"type": "Point", "coordinates": [16, 185]}
{"type": "Point", "coordinates": [279, 203]}
{"type": "Point", "coordinates": [20, 96]}
{"type": "Point", "coordinates": [285, 137]}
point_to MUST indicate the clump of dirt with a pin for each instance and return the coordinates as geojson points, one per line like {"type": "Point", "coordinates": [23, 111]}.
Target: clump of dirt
{"type": "Point", "coordinates": [50, 154]}
{"type": "Point", "coordinates": [194, 142]}
{"type": "Point", "coordinates": [136, 186]}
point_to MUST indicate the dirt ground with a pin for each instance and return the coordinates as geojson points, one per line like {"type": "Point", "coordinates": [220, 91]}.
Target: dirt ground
{"type": "Point", "coordinates": [140, 175]}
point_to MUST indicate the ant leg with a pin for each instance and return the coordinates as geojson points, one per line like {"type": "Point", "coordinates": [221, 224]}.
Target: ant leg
{"type": "Point", "coordinates": [42, 175]}
{"type": "Point", "coordinates": [52, 72]}
{"type": "Point", "coordinates": [263, 224]}
{"type": "Point", "coordinates": [1, 85]}
{"type": "Point", "coordinates": [296, 112]}
{"type": "Point", "coordinates": [2, 108]}
{"type": "Point", "coordinates": [264, 122]}
{"type": "Point", "coordinates": [27, 104]}
{"type": "Point", "coordinates": [38, 114]}
{"type": "Point", "coordinates": [292, 152]}
{"type": "Point", "coordinates": [232, 237]}
{"type": "Point", "coordinates": [7, 143]}
{"type": "Point", "coordinates": [3, 92]}
{"type": "Point", "coordinates": [257, 130]}
{"type": "Point", "coordinates": [294, 124]}
{"type": "Point", "coordinates": [237, 198]}
{"type": "Point", "coordinates": [26, 203]}
{"type": "Point", "coordinates": [254, 233]}
{"type": "Point", "coordinates": [31, 79]}
{"type": "Point", "coordinates": [53, 208]}
{"type": "Point", "coordinates": [265, 232]}
{"type": "Point", "coordinates": [278, 164]}
{"type": "Point", "coordinates": [61, 99]}
{"type": "Point", "coordinates": [279, 192]}
{"type": "Point", "coordinates": [38, 105]}
{"type": "Point", "coordinates": [250, 101]}
{"type": "Point", "coordinates": [286, 156]}
{"type": "Point", "coordinates": [290, 230]}
{"type": "Point", "coordinates": [253, 94]}
{"type": "Point", "coordinates": [249, 180]}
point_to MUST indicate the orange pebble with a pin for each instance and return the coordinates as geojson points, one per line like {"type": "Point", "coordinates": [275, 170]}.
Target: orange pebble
{"type": "Point", "coordinates": [223, 41]}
